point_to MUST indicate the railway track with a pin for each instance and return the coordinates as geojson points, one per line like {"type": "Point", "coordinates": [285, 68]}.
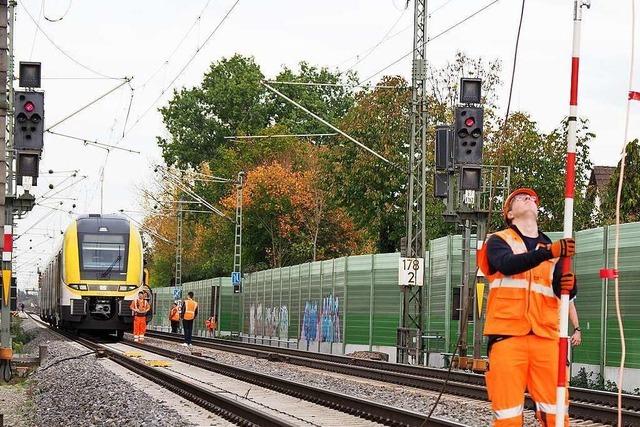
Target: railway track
{"type": "Point", "coordinates": [367, 409]}
{"type": "Point", "coordinates": [593, 405]}
{"type": "Point", "coordinates": [232, 406]}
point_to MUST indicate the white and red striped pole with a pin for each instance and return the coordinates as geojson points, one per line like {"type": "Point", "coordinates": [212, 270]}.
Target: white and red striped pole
{"type": "Point", "coordinates": [7, 252]}
{"type": "Point", "coordinates": [569, 190]}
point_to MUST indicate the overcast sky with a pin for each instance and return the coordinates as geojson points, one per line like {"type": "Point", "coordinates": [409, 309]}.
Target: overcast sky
{"type": "Point", "coordinates": [135, 38]}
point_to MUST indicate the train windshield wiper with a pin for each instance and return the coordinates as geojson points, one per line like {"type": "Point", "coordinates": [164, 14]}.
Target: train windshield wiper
{"type": "Point", "coordinates": [108, 270]}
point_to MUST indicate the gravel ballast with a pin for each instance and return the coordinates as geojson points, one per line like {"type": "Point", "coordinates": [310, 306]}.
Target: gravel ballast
{"type": "Point", "coordinates": [82, 392]}
{"type": "Point", "coordinates": [463, 410]}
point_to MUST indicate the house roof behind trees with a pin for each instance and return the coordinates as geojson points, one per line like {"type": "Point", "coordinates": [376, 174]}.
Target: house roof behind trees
{"type": "Point", "coordinates": [600, 176]}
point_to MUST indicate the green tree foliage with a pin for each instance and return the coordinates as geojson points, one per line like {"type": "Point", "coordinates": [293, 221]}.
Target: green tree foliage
{"type": "Point", "coordinates": [328, 101]}
{"type": "Point", "coordinates": [316, 198]}
{"type": "Point", "coordinates": [370, 189]}
{"type": "Point", "coordinates": [630, 196]}
{"type": "Point", "coordinates": [538, 161]}
{"type": "Point", "coordinates": [231, 100]}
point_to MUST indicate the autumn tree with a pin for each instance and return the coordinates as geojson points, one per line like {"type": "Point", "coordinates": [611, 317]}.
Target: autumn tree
{"type": "Point", "coordinates": [285, 216]}
{"type": "Point", "coordinates": [160, 226]}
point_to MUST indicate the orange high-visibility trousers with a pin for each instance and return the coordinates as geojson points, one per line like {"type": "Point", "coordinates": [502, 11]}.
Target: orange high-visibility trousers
{"type": "Point", "coordinates": [523, 363]}
{"type": "Point", "coordinates": [139, 327]}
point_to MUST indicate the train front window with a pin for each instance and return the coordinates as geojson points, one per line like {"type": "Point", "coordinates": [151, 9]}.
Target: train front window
{"type": "Point", "coordinates": [103, 256]}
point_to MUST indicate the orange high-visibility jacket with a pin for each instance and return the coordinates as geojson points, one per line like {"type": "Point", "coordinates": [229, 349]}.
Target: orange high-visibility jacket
{"type": "Point", "coordinates": [190, 309]}
{"type": "Point", "coordinates": [174, 314]}
{"type": "Point", "coordinates": [524, 302]}
{"type": "Point", "coordinates": [210, 323]}
{"type": "Point", "coordinates": [141, 305]}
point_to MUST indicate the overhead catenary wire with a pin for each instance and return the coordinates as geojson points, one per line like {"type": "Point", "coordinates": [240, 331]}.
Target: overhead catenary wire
{"type": "Point", "coordinates": [184, 67]}
{"type": "Point", "coordinates": [86, 141]}
{"type": "Point", "coordinates": [83, 177]}
{"type": "Point", "coordinates": [126, 80]}
{"type": "Point", "coordinates": [76, 78]}
{"type": "Point", "coordinates": [515, 61]}
{"type": "Point", "coordinates": [187, 189]}
{"type": "Point", "coordinates": [75, 61]}
{"type": "Point", "coordinates": [347, 85]}
{"type": "Point", "coordinates": [35, 33]}
{"type": "Point", "coordinates": [377, 45]}
{"type": "Point", "coordinates": [126, 119]}
{"type": "Point", "coordinates": [173, 52]}
{"type": "Point", "coordinates": [462, 21]}
{"type": "Point", "coordinates": [295, 135]}
{"type": "Point", "coordinates": [388, 37]}
{"type": "Point", "coordinates": [147, 229]}
{"type": "Point", "coordinates": [56, 19]}
{"type": "Point", "coordinates": [320, 119]}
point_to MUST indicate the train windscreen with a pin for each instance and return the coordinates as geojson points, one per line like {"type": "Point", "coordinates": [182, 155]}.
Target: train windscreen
{"type": "Point", "coordinates": [103, 256]}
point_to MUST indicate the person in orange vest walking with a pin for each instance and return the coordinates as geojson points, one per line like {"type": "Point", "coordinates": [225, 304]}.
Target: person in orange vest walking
{"type": "Point", "coordinates": [174, 317]}
{"type": "Point", "coordinates": [189, 313]}
{"type": "Point", "coordinates": [523, 311]}
{"type": "Point", "coordinates": [139, 307]}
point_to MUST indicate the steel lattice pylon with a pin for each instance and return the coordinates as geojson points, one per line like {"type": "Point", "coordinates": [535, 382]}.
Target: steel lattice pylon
{"type": "Point", "coordinates": [237, 247]}
{"type": "Point", "coordinates": [178, 279]}
{"type": "Point", "coordinates": [416, 237]}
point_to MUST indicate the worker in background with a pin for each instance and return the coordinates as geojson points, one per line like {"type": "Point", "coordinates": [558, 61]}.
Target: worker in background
{"type": "Point", "coordinates": [212, 324]}
{"type": "Point", "coordinates": [174, 317]}
{"type": "Point", "coordinates": [523, 311]}
{"type": "Point", "coordinates": [189, 313]}
{"type": "Point", "coordinates": [139, 307]}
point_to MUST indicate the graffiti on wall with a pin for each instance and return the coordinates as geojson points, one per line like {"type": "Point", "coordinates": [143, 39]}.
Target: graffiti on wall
{"type": "Point", "coordinates": [269, 321]}
{"type": "Point", "coordinates": [321, 323]}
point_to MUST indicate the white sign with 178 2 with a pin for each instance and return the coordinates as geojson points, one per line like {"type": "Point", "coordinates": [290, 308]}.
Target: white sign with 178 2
{"type": "Point", "coordinates": [411, 272]}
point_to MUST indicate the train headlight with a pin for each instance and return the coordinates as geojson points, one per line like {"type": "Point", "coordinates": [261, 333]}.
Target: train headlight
{"type": "Point", "coordinates": [125, 288]}
{"type": "Point", "coordinates": [79, 287]}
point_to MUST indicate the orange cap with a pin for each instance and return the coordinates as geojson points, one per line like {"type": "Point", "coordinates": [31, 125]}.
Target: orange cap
{"type": "Point", "coordinates": [507, 203]}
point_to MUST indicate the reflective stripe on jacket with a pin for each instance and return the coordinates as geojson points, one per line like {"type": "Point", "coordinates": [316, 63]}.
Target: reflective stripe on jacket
{"type": "Point", "coordinates": [523, 302]}
{"type": "Point", "coordinates": [190, 307]}
{"type": "Point", "coordinates": [140, 305]}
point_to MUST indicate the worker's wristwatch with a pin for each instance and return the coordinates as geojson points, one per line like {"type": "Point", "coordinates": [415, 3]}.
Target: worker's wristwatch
{"type": "Point", "coordinates": [577, 329]}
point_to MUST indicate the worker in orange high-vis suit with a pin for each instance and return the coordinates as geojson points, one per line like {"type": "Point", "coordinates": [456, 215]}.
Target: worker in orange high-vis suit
{"type": "Point", "coordinates": [189, 313]}
{"type": "Point", "coordinates": [139, 307]}
{"type": "Point", "coordinates": [174, 317]}
{"type": "Point", "coordinates": [523, 312]}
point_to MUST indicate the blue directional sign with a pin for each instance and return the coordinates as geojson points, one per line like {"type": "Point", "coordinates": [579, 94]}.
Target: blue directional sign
{"type": "Point", "coordinates": [235, 278]}
{"type": "Point", "coordinates": [177, 293]}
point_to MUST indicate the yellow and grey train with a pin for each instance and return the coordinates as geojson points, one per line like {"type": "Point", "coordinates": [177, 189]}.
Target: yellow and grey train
{"type": "Point", "coordinates": [92, 278]}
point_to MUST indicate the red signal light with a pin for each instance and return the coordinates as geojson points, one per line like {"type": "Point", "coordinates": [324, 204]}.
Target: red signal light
{"type": "Point", "coordinates": [470, 121]}
{"type": "Point", "coordinates": [29, 107]}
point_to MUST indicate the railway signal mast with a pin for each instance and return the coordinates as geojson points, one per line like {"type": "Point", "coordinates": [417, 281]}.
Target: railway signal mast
{"type": "Point", "coordinates": [23, 117]}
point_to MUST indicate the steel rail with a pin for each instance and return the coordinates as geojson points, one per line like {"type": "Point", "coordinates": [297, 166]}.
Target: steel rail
{"type": "Point", "coordinates": [588, 404]}
{"type": "Point", "coordinates": [225, 407]}
{"type": "Point", "coordinates": [240, 413]}
{"type": "Point", "coordinates": [363, 408]}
